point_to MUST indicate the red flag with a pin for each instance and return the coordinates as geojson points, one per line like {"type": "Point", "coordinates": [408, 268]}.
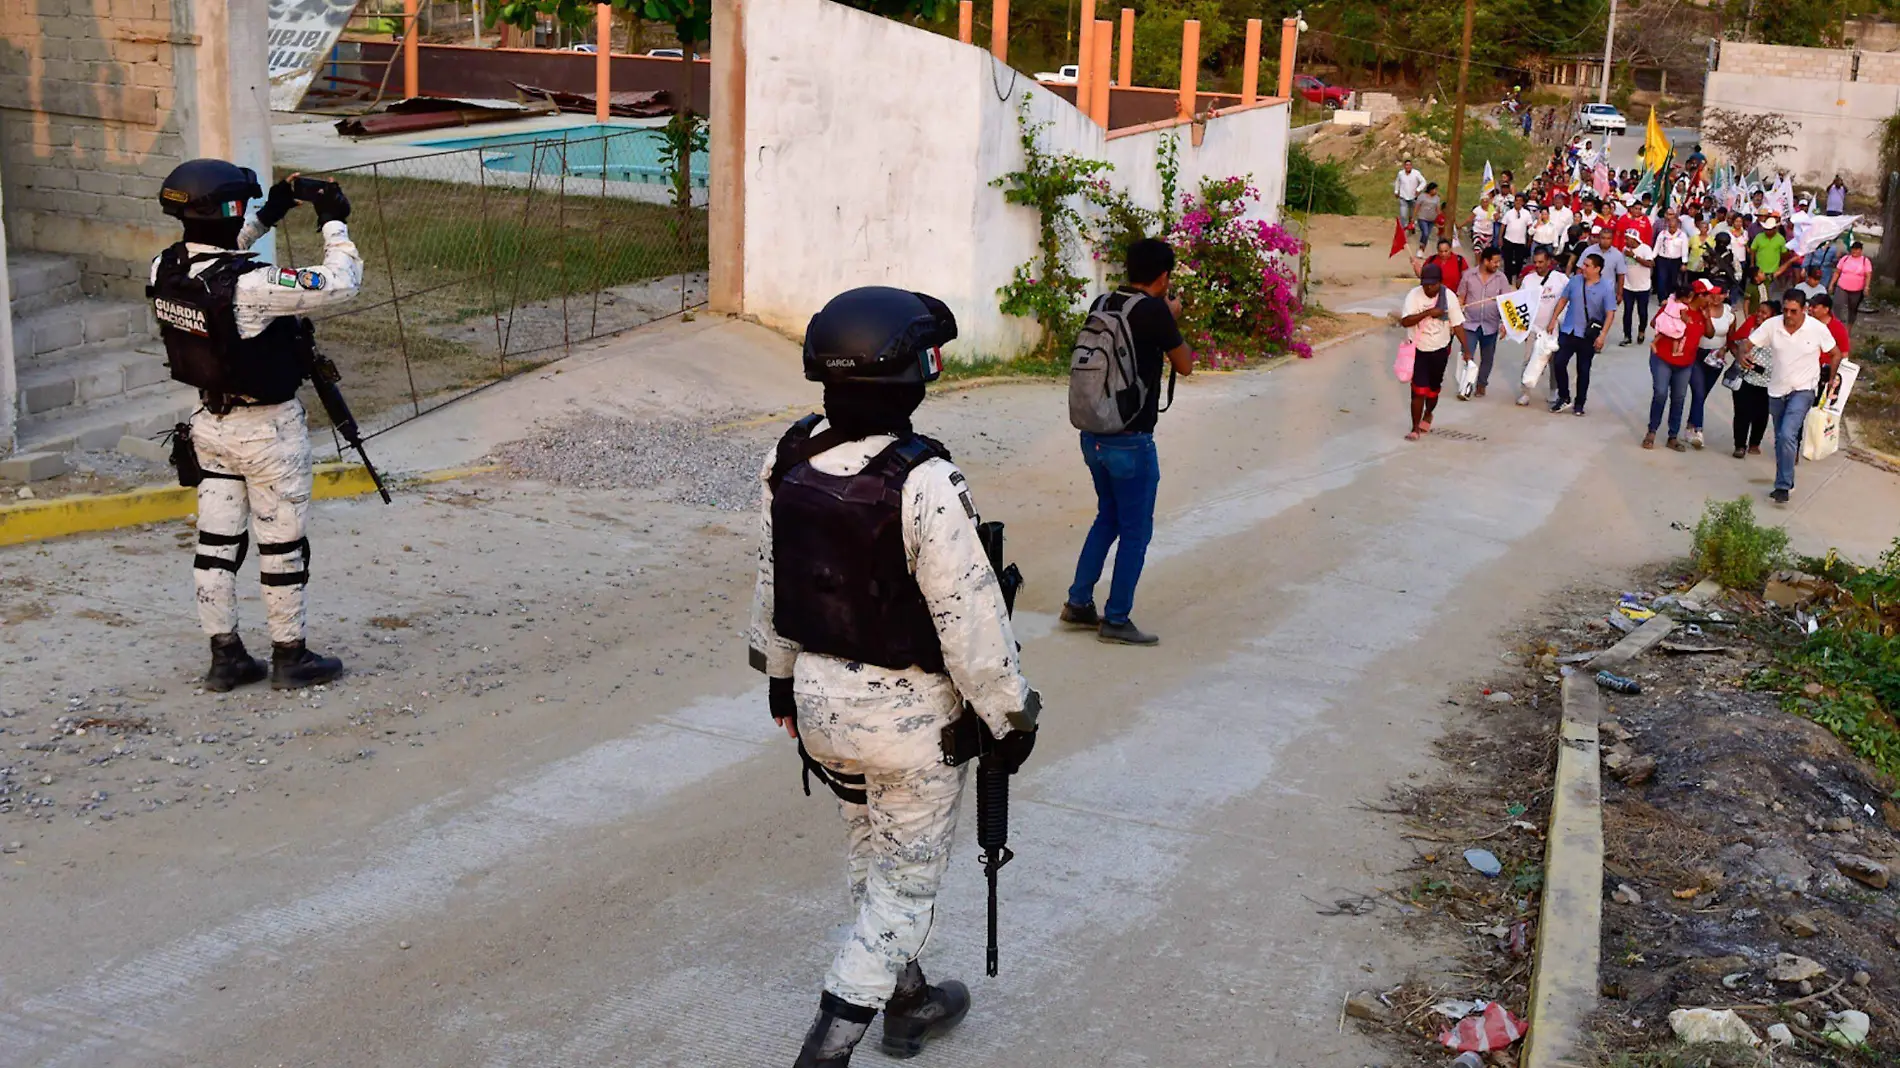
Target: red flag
{"type": "Point", "coordinates": [1398, 238]}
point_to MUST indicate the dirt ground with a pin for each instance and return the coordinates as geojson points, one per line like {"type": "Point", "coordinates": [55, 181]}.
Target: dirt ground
{"type": "Point", "coordinates": [1725, 819]}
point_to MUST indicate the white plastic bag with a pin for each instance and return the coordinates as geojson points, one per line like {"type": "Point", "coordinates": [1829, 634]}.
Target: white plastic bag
{"type": "Point", "coordinates": [1467, 378]}
{"type": "Point", "coordinates": [1543, 346]}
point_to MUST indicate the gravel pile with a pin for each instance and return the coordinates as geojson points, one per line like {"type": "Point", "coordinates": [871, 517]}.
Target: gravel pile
{"type": "Point", "coordinates": [687, 461]}
{"type": "Point", "coordinates": [112, 464]}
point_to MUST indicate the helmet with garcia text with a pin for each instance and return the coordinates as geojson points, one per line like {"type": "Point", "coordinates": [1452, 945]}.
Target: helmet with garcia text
{"type": "Point", "coordinates": [208, 189]}
{"type": "Point", "coordinates": [878, 334]}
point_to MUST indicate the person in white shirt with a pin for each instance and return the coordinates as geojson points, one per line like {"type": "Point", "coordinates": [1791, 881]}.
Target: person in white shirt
{"type": "Point", "coordinates": [1483, 223]}
{"type": "Point", "coordinates": [1637, 283]}
{"type": "Point", "coordinates": [1672, 248]}
{"type": "Point", "coordinates": [1561, 214]}
{"type": "Point", "coordinates": [1546, 237]}
{"type": "Point", "coordinates": [1407, 186]}
{"type": "Point", "coordinates": [1543, 318]}
{"type": "Point", "coordinates": [1431, 311]}
{"type": "Point", "coordinates": [1516, 224]}
{"type": "Point", "coordinates": [1796, 343]}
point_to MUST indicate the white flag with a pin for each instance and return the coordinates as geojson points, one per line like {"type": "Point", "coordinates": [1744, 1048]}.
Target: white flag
{"type": "Point", "coordinates": [1818, 230]}
{"type": "Point", "coordinates": [1515, 310]}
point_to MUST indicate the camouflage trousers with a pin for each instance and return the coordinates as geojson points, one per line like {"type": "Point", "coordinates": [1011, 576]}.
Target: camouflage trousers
{"type": "Point", "coordinates": [263, 454]}
{"type": "Point", "coordinates": [899, 840]}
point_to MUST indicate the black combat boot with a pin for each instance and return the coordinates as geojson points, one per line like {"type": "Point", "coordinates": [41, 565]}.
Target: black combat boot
{"type": "Point", "coordinates": [919, 1012]}
{"type": "Point", "coordinates": [292, 667]}
{"type": "Point", "coordinates": [834, 1034]}
{"type": "Point", "coordinates": [231, 666]}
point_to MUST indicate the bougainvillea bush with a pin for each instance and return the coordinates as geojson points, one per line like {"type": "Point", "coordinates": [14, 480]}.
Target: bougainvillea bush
{"type": "Point", "coordinates": [1238, 291]}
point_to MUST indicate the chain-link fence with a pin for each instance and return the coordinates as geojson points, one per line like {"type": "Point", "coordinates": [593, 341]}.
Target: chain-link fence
{"type": "Point", "coordinates": [485, 262]}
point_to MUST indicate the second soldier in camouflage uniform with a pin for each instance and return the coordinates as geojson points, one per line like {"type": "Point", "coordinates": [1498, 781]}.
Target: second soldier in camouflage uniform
{"type": "Point", "coordinates": [877, 616]}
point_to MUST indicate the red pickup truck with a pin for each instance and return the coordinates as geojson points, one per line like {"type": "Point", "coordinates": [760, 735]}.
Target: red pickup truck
{"type": "Point", "coordinates": [1318, 92]}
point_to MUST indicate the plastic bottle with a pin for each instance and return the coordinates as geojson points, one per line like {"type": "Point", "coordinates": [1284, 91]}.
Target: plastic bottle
{"type": "Point", "coordinates": [1468, 1060]}
{"type": "Point", "coordinates": [1618, 683]}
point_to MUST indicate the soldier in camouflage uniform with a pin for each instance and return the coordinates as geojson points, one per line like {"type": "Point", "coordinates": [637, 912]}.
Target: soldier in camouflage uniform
{"type": "Point", "coordinates": [877, 617]}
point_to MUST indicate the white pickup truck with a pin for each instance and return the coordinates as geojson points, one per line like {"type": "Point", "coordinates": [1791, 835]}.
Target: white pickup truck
{"type": "Point", "coordinates": [1063, 75]}
{"type": "Point", "coordinates": [1601, 118]}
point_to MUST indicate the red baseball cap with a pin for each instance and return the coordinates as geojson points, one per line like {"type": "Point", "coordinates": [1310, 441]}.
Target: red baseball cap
{"type": "Point", "coordinates": [1703, 285]}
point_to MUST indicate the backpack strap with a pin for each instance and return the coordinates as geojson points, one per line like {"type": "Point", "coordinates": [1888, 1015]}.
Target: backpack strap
{"type": "Point", "coordinates": [798, 445]}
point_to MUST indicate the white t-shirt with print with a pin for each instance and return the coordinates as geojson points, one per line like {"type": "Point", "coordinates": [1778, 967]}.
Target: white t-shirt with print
{"type": "Point", "coordinates": [1430, 335]}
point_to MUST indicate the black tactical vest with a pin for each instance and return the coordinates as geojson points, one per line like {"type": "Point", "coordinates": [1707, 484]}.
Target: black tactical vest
{"type": "Point", "coordinates": [197, 318]}
{"type": "Point", "coordinates": [843, 584]}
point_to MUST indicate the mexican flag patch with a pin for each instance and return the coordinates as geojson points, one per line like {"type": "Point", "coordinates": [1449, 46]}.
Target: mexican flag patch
{"type": "Point", "coordinates": [287, 278]}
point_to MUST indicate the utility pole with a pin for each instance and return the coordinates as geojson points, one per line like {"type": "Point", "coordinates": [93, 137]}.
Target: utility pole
{"type": "Point", "coordinates": [1609, 45]}
{"type": "Point", "coordinates": [1458, 127]}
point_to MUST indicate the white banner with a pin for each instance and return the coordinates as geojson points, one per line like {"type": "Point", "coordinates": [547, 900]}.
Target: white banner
{"type": "Point", "coordinates": [1516, 309]}
{"type": "Point", "coordinates": [302, 33]}
{"type": "Point", "coordinates": [1818, 230]}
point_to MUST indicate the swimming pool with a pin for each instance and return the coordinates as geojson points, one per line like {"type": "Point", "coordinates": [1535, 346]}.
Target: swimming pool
{"type": "Point", "coordinates": [622, 153]}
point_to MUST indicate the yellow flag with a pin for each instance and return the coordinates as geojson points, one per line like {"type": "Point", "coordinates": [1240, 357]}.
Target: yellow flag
{"type": "Point", "coordinates": [1655, 145]}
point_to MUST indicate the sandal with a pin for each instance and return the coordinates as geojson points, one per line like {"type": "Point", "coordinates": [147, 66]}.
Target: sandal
{"type": "Point", "coordinates": [1412, 435]}
{"type": "Point", "coordinates": [1677, 445]}
{"type": "Point", "coordinates": [1425, 426]}
{"type": "Point", "coordinates": [1649, 440]}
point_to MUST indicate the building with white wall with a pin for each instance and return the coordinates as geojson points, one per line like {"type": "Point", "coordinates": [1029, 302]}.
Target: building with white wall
{"type": "Point", "coordinates": [1836, 97]}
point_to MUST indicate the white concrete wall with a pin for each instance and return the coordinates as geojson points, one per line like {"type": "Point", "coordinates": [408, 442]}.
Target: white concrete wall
{"type": "Point", "coordinates": [870, 146]}
{"type": "Point", "coordinates": [1840, 122]}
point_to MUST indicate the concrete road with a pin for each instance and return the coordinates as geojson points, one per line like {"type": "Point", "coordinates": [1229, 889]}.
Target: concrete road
{"type": "Point", "coordinates": [549, 823]}
{"type": "Point", "coordinates": [1624, 150]}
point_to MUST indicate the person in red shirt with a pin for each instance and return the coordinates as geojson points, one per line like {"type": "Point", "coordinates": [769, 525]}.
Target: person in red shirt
{"type": "Point", "coordinates": [1670, 359]}
{"type": "Point", "coordinates": [1821, 307]}
{"type": "Point", "coordinates": [1451, 265]}
{"type": "Point", "coordinates": [1631, 226]}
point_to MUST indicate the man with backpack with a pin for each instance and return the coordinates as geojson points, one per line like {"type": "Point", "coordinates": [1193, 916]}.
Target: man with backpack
{"type": "Point", "coordinates": [1115, 401]}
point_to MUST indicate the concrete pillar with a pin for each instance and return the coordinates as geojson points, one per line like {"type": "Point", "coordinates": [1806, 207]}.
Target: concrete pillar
{"type": "Point", "coordinates": [9, 380]}
{"type": "Point", "coordinates": [725, 208]}
{"type": "Point", "coordinates": [1250, 66]}
{"type": "Point", "coordinates": [1190, 67]}
{"type": "Point", "coordinates": [1104, 62]}
{"type": "Point", "coordinates": [1289, 45]}
{"type": "Point", "coordinates": [223, 80]}
{"type": "Point", "coordinates": [966, 20]}
{"type": "Point", "coordinates": [1128, 47]}
{"type": "Point", "coordinates": [603, 59]}
{"type": "Point", "coordinates": [1085, 57]}
{"type": "Point", "coordinates": [411, 78]}
{"type": "Point", "coordinates": [999, 30]}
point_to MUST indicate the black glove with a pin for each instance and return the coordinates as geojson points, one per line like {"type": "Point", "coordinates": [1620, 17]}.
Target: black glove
{"type": "Point", "coordinates": [332, 205]}
{"type": "Point", "coordinates": [1013, 749]}
{"type": "Point", "coordinates": [277, 205]}
{"type": "Point", "coordinates": [778, 697]}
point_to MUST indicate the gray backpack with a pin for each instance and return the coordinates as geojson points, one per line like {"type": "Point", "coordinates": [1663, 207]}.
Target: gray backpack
{"type": "Point", "coordinates": [1106, 392]}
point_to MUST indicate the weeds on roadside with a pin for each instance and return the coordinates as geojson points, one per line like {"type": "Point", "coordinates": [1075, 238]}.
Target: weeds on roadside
{"type": "Point", "coordinates": [1733, 549]}
{"type": "Point", "coordinates": [1846, 675]}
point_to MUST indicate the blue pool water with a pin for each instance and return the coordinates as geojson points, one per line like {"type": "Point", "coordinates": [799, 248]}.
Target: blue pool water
{"type": "Point", "coordinates": [625, 153]}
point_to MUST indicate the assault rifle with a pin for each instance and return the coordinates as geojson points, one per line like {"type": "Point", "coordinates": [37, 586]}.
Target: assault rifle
{"type": "Point", "coordinates": [968, 737]}
{"type": "Point", "coordinates": [323, 377]}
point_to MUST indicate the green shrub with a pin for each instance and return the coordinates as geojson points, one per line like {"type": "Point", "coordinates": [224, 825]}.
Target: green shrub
{"type": "Point", "coordinates": [1317, 187]}
{"type": "Point", "coordinates": [1733, 549]}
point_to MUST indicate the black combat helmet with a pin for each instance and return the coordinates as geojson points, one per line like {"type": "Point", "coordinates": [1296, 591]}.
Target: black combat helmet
{"type": "Point", "coordinates": [208, 189]}
{"type": "Point", "coordinates": [880, 335]}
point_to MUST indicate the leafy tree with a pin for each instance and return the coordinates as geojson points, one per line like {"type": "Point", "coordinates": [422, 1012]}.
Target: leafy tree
{"type": "Point", "coordinates": [1749, 142]}
{"type": "Point", "coordinates": [1806, 23]}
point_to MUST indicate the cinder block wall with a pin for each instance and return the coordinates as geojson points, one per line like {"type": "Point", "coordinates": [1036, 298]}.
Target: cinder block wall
{"type": "Point", "coordinates": [1785, 61]}
{"type": "Point", "coordinates": [91, 120]}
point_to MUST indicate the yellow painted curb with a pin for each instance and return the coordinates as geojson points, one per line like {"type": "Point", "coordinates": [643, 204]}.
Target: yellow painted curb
{"type": "Point", "coordinates": [1570, 921]}
{"type": "Point", "coordinates": [38, 520]}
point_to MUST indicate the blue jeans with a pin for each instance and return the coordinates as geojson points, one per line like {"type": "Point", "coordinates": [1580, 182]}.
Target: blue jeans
{"type": "Point", "coordinates": [1126, 473]}
{"type": "Point", "coordinates": [1424, 233]}
{"type": "Point", "coordinates": [1486, 346]}
{"type": "Point", "coordinates": [1668, 385]}
{"type": "Point", "coordinates": [1405, 211]}
{"type": "Point", "coordinates": [1702, 378]}
{"type": "Point", "coordinates": [1786, 414]}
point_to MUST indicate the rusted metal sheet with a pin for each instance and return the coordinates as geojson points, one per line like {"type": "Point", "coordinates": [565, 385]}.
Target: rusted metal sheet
{"type": "Point", "coordinates": [628, 105]}
{"type": "Point", "coordinates": [433, 113]}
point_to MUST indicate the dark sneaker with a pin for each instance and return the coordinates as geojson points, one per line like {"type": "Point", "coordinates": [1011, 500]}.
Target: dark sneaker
{"type": "Point", "coordinates": [1558, 406]}
{"type": "Point", "coordinates": [1126, 634]}
{"type": "Point", "coordinates": [231, 665]}
{"type": "Point", "coordinates": [1780, 496]}
{"type": "Point", "coordinates": [1080, 615]}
